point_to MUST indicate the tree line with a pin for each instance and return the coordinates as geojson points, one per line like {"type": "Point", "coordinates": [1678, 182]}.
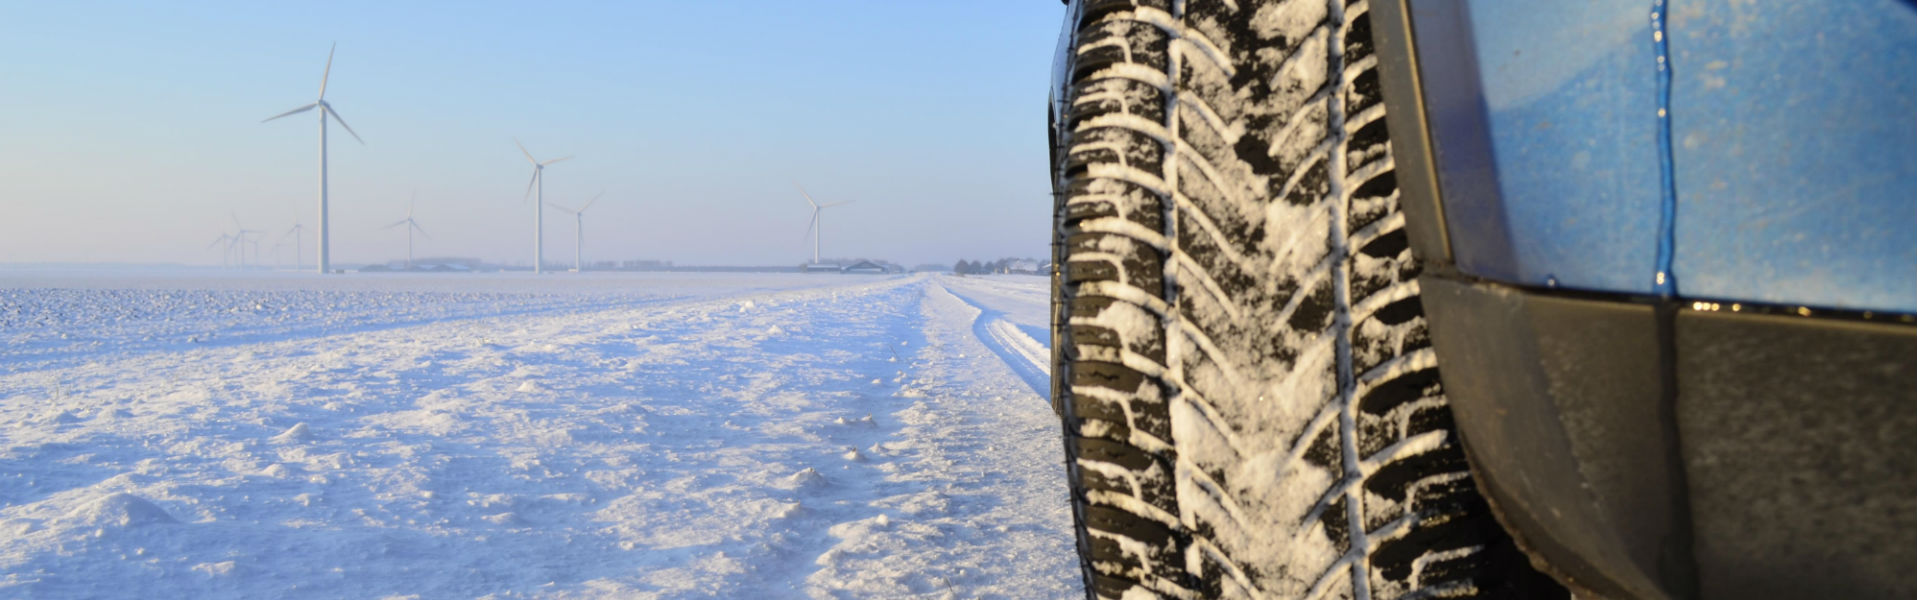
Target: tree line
{"type": "Point", "coordinates": [1003, 265]}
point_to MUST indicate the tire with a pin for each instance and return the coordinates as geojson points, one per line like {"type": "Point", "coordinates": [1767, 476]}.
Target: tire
{"type": "Point", "coordinates": [1252, 406]}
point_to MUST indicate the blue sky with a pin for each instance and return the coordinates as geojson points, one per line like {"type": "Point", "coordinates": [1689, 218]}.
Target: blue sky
{"type": "Point", "coordinates": [128, 132]}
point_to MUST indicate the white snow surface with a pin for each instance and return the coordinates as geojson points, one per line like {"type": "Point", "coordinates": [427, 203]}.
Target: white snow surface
{"type": "Point", "coordinates": [1013, 322]}
{"type": "Point", "coordinates": [455, 436]}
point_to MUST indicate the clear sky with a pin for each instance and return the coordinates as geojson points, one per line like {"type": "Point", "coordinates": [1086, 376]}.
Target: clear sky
{"type": "Point", "coordinates": [129, 131]}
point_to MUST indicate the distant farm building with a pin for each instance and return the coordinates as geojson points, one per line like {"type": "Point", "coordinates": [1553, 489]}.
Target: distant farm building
{"type": "Point", "coordinates": [865, 266]}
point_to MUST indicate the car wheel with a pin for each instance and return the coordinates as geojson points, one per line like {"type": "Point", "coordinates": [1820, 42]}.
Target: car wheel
{"type": "Point", "coordinates": [1252, 407]}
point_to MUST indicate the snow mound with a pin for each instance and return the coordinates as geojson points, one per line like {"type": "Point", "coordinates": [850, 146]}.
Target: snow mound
{"type": "Point", "coordinates": [865, 421]}
{"type": "Point", "coordinates": [927, 503]}
{"type": "Point", "coordinates": [807, 478]}
{"type": "Point", "coordinates": [852, 454]}
{"type": "Point", "coordinates": [861, 529]}
{"type": "Point", "coordinates": [119, 509]}
{"type": "Point", "coordinates": [215, 569]}
{"type": "Point", "coordinates": [297, 433]}
{"type": "Point", "coordinates": [63, 417]}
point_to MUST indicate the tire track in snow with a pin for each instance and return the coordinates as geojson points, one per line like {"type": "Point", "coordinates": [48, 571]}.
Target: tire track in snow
{"type": "Point", "coordinates": [1027, 357]}
{"type": "Point", "coordinates": [973, 503]}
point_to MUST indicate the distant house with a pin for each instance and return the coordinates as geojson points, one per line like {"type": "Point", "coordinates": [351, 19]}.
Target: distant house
{"type": "Point", "coordinates": [864, 266]}
{"type": "Point", "coordinates": [1024, 267]}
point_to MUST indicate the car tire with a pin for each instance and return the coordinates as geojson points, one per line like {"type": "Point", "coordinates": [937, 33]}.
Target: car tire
{"type": "Point", "coordinates": [1251, 404]}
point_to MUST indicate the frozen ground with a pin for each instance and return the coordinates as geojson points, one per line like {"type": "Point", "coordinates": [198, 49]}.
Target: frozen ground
{"type": "Point", "coordinates": [643, 436]}
{"type": "Point", "coordinates": [50, 317]}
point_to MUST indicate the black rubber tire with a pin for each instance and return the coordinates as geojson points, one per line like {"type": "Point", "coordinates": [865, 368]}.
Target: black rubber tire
{"type": "Point", "coordinates": [1252, 405]}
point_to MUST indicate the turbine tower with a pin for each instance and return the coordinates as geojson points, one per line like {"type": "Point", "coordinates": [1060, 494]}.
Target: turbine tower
{"type": "Point", "coordinates": [239, 237]}
{"type": "Point", "coordinates": [226, 254]}
{"type": "Point", "coordinates": [299, 262]}
{"type": "Point", "coordinates": [814, 228]}
{"type": "Point", "coordinates": [579, 231]}
{"type": "Point", "coordinates": [539, 214]}
{"type": "Point", "coordinates": [411, 227]}
{"type": "Point", "coordinates": [325, 249]}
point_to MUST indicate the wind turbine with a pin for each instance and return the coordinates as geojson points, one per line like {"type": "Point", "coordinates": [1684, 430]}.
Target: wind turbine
{"type": "Point", "coordinates": [814, 229]}
{"type": "Point", "coordinates": [411, 227]}
{"type": "Point", "coordinates": [325, 249]}
{"type": "Point", "coordinates": [539, 213]}
{"type": "Point", "coordinates": [579, 230]}
{"type": "Point", "coordinates": [226, 255]}
{"type": "Point", "coordinates": [239, 237]}
{"type": "Point", "coordinates": [299, 261]}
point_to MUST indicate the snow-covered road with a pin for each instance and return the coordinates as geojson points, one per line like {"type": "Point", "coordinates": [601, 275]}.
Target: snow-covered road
{"type": "Point", "coordinates": [808, 437]}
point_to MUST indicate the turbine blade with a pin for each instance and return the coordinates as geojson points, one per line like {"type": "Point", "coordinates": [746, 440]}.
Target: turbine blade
{"type": "Point", "coordinates": [395, 224]}
{"type": "Point", "coordinates": [528, 153]}
{"type": "Point", "coordinates": [562, 208]}
{"type": "Point", "coordinates": [555, 160]}
{"type": "Point", "coordinates": [839, 203]}
{"type": "Point", "coordinates": [810, 225]}
{"type": "Point", "coordinates": [421, 230]}
{"type": "Point", "coordinates": [292, 112]}
{"type": "Point", "coordinates": [328, 73]}
{"type": "Point", "coordinates": [236, 222]}
{"type": "Point", "coordinates": [342, 120]}
{"type": "Point", "coordinates": [595, 198]}
{"type": "Point", "coordinates": [529, 184]}
{"type": "Point", "coordinates": [808, 197]}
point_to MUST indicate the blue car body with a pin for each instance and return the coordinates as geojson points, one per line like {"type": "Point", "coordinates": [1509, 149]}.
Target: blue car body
{"type": "Point", "coordinates": [1671, 273]}
{"type": "Point", "coordinates": [1792, 147]}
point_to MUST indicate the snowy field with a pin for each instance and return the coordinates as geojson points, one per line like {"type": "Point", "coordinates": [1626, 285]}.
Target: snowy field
{"type": "Point", "coordinates": [204, 434]}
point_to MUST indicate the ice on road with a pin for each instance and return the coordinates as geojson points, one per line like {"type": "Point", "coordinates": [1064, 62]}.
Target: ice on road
{"type": "Point", "coordinates": [766, 436]}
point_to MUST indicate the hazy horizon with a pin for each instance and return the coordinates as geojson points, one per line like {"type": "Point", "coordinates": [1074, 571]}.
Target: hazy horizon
{"type": "Point", "coordinates": [134, 130]}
